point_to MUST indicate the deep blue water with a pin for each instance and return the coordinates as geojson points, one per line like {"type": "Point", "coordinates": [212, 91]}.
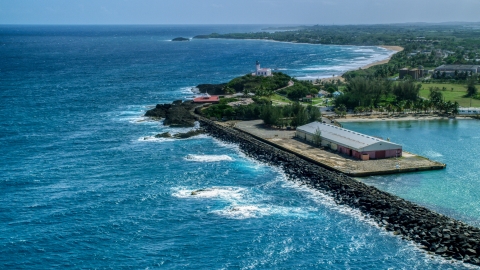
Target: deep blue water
{"type": "Point", "coordinates": [84, 184]}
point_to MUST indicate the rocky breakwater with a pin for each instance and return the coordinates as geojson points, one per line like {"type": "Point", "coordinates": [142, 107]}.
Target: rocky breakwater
{"type": "Point", "coordinates": [433, 232]}
{"type": "Point", "coordinates": [176, 114]}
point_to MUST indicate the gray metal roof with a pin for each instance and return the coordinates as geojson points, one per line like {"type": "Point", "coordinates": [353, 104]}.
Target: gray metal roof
{"type": "Point", "coordinates": [457, 67]}
{"type": "Point", "coordinates": [348, 138]}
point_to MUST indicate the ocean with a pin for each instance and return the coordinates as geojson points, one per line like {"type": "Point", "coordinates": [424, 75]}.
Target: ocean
{"type": "Point", "coordinates": [85, 184]}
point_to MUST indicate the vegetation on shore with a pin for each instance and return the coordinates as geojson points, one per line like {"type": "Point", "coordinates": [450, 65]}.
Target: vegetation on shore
{"type": "Point", "coordinates": [427, 45]}
{"type": "Point", "coordinates": [375, 89]}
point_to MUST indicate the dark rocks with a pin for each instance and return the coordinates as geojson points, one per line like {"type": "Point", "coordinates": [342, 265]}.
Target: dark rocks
{"type": "Point", "coordinates": [189, 134]}
{"type": "Point", "coordinates": [176, 114]}
{"type": "Point", "coordinates": [437, 233]}
{"type": "Point", "coordinates": [180, 39]}
{"type": "Point", "coordinates": [163, 135]}
{"type": "Point", "coordinates": [212, 89]}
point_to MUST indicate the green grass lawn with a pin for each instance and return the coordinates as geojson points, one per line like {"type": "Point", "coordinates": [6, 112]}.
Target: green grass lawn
{"type": "Point", "coordinates": [278, 98]}
{"type": "Point", "coordinates": [457, 94]}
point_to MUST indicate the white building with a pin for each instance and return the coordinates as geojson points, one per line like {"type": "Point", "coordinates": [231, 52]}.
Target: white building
{"type": "Point", "coordinates": [468, 111]}
{"type": "Point", "coordinates": [349, 142]}
{"type": "Point", "coordinates": [262, 71]}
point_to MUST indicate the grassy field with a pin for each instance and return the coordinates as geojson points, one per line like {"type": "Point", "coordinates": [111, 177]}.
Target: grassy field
{"type": "Point", "coordinates": [276, 98]}
{"type": "Point", "coordinates": [452, 92]}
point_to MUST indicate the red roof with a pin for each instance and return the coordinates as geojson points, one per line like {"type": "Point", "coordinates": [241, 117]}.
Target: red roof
{"type": "Point", "coordinates": [210, 99]}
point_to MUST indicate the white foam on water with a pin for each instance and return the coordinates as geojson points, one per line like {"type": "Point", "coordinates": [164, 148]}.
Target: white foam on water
{"type": "Point", "coordinates": [189, 90]}
{"type": "Point", "coordinates": [231, 194]}
{"type": "Point", "coordinates": [175, 130]}
{"type": "Point", "coordinates": [132, 114]}
{"type": "Point", "coordinates": [244, 211]}
{"type": "Point", "coordinates": [364, 50]}
{"type": "Point", "coordinates": [208, 158]}
{"type": "Point", "coordinates": [152, 138]}
{"type": "Point", "coordinates": [241, 212]}
{"type": "Point", "coordinates": [433, 154]}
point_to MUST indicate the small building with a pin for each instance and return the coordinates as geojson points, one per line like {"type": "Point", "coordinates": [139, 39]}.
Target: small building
{"type": "Point", "coordinates": [206, 98]}
{"type": "Point", "coordinates": [468, 111]}
{"type": "Point", "coordinates": [349, 142]}
{"type": "Point", "coordinates": [337, 94]}
{"type": "Point", "coordinates": [323, 93]}
{"type": "Point", "coordinates": [415, 73]}
{"type": "Point", "coordinates": [307, 98]}
{"type": "Point", "coordinates": [262, 71]}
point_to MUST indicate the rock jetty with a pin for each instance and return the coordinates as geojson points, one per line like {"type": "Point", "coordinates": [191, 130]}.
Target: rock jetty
{"type": "Point", "coordinates": [433, 232]}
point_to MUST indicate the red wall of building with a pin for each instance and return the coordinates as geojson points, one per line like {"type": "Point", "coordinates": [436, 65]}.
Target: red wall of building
{"type": "Point", "coordinates": [372, 154]}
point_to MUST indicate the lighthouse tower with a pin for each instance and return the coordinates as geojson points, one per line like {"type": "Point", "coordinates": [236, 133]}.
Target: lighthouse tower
{"type": "Point", "coordinates": [262, 71]}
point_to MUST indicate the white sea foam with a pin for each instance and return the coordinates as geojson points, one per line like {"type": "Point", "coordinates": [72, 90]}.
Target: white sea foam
{"type": "Point", "coordinates": [244, 211]}
{"type": "Point", "coordinates": [208, 158]}
{"type": "Point", "coordinates": [231, 194]}
{"type": "Point", "coordinates": [364, 50]}
{"type": "Point", "coordinates": [152, 138]}
{"type": "Point", "coordinates": [241, 203]}
{"type": "Point", "coordinates": [433, 154]}
{"type": "Point", "coordinates": [189, 90]}
{"type": "Point", "coordinates": [132, 114]}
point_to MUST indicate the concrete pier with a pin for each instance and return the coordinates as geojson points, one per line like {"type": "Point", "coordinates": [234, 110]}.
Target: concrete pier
{"type": "Point", "coordinates": [285, 140]}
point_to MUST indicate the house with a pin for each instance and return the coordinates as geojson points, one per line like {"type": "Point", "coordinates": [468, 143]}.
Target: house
{"type": "Point", "coordinates": [323, 93]}
{"type": "Point", "coordinates": [265, 72]}
{"type": "Point", "coordinates": [308, 98]}
{"type": "Point", "coordinates": [337, 94]}
{"type": "Point", "coordinates": [349, 142]}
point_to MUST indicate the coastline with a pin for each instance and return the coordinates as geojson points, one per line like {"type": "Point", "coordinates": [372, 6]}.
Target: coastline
{"type": "Point", "coordinates": [396, 49]}
{"type": "Point", "coordinates": [393, 48]}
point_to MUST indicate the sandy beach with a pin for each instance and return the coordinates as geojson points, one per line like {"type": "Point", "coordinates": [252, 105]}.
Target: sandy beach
{"type": "Point", "coordinates": [393, 48]}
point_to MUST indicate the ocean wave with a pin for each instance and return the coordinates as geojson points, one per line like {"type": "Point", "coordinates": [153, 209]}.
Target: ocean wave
{"type": "Point", "coordinates": [364, 50]}
{"type": "Point", "coordinates": [152, 138]}
{"type": "Point", "coordinates": [208, 158]}
{"type": "Point", "coordinates": [189, 90]}
{"type": "Point", "coordinates": [226, 193]}
{"type": "Point", "coordinates": [262, 210]}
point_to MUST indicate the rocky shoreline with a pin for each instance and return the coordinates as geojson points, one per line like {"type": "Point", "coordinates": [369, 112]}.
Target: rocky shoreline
{"type": "Point", "coordinates": [176, 114]}
{"type": "Point", "coordinates": [433, 232]}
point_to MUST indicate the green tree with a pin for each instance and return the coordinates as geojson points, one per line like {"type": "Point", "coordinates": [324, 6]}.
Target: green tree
{"type": "Point", "coordinates": [271, 115]}
{"type": "Point", "coordinates": [317, 137]}
{"type": "Point", "coordinates": [471, 88]}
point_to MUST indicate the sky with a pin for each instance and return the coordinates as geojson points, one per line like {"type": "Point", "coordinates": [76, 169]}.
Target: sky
{"type": "Point", "coordinates": [236, 12]}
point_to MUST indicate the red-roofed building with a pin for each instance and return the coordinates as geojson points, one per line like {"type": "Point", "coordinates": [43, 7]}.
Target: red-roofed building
{"type": "Point", "coordinates": [206, 99]}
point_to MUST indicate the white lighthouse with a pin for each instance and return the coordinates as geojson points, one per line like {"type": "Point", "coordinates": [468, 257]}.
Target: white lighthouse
{"type": "Point", "coordinates": [262, 71]}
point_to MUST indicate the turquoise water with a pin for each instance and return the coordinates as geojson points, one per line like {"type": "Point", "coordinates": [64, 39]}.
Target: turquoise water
{"type": "Point", "coordinates": [454, 191]}
{"type": "Point", "coordinates": [84, 183]}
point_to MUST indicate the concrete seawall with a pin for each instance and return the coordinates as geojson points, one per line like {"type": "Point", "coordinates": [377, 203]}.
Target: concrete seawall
{"type": "Point", "coordinates": [433, 232]}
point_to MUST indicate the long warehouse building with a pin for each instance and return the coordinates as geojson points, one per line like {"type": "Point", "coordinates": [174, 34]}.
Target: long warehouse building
{"type": "Point", "coordinates": [349, 142]}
